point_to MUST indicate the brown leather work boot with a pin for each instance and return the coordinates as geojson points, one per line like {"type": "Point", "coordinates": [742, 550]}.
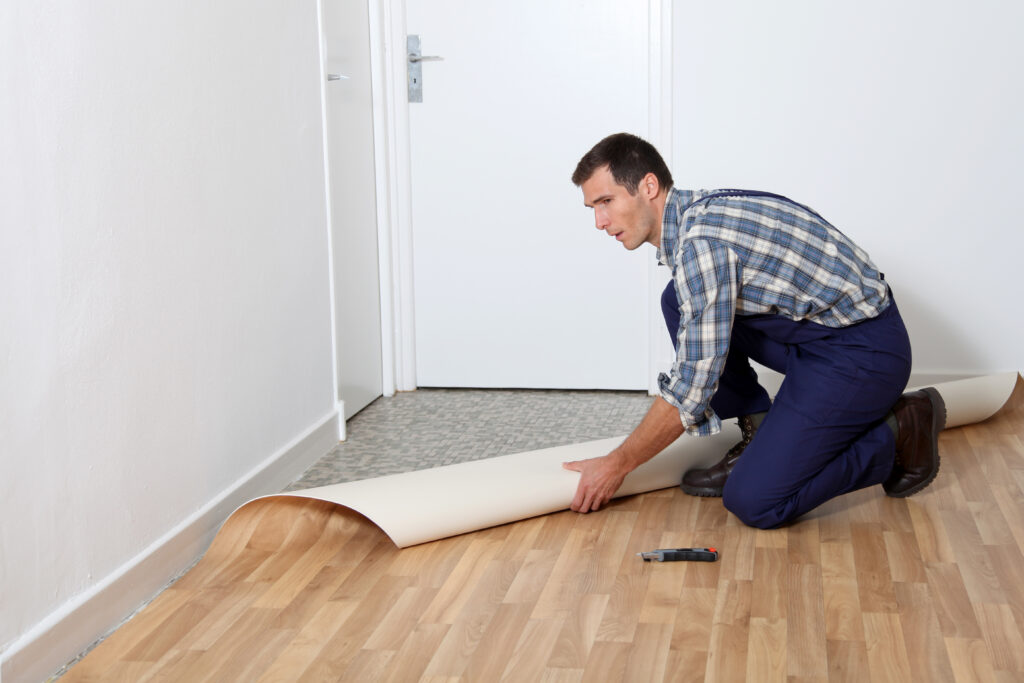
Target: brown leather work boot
{"type": "Point", "coordinates": [711, 481]}
{"type": "Point", "coordinates": [920, 416]}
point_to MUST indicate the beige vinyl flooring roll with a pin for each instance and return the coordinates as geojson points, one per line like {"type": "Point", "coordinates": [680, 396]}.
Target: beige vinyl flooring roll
{"type": "Point", "coordinates": [426, 505]}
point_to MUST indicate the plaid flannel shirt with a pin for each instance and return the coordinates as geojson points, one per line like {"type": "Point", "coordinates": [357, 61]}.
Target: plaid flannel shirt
{"type": "Point", "coordinates": [747, 255]}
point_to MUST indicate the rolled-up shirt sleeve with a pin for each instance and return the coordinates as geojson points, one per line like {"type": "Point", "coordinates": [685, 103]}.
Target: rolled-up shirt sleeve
{"type": "Point", "coordinates": [707, 277]}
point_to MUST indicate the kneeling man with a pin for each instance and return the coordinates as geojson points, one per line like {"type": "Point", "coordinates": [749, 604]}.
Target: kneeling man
{"type": "Point", "coordinates": [757, 276]}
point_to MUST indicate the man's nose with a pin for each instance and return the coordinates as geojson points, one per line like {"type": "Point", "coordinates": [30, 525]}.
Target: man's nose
{"type": "Point", "coordinates": [600, 219]}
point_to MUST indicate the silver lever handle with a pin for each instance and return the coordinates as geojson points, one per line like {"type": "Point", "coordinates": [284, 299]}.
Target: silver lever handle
{"type": "Point", "coordinates": [413, 58]}
{"type": "Point", "coordinates": [336, 77]}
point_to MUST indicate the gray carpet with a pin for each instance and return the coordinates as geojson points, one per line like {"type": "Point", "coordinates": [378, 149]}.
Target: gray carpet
{"type": "Point", "coordinates": [433, 427]}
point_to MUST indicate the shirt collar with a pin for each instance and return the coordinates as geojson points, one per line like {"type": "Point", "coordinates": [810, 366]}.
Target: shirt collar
{"type": "Point", "coordinates": [676, 204]}
{"type": "Point", "coordinates": [671, 218]}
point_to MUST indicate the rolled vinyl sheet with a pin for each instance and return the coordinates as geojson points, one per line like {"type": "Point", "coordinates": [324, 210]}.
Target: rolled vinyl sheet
{"type": "Point", "coordinates": [426, 505]}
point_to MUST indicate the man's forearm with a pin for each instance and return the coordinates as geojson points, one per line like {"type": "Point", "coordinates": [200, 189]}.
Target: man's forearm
{"type": "Point", "coordinates": [659, 428]}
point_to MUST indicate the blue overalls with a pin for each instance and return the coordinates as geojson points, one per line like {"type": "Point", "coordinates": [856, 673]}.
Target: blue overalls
{"type": "Point", "coordinates": [825, 433]}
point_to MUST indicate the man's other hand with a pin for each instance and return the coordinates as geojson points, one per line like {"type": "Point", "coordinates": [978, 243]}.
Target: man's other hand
{"type": "Point", "coordinates": [600, 478]}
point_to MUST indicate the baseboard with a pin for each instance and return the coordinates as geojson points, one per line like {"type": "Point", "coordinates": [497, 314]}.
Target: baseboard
{"type": "Point", "coordinates": [771, 380]}
{"type": "Point", "coordinates": [342, 427]}
{"type": "Point", "coordinates": [77, 624]}
{"type": "Point", "coordinates": [928, 378]}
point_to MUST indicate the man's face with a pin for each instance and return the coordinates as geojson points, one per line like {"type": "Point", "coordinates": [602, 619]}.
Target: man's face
{"type": "Point", "coordinates": [631, 219]}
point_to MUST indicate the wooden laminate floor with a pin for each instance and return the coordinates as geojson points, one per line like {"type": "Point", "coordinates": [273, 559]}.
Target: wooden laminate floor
{"type": "Point", "coordinates": [866, 588]}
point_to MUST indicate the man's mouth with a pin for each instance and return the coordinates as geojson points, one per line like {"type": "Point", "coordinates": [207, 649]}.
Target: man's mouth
{"type": "Point", "coordinates": [619, 236]}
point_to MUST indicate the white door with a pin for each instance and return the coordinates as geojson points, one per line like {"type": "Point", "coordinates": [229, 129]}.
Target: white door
{"type": "Point", "coordinates": [513, 285]}
{"type": "Point", "coordinates": [349, 114]}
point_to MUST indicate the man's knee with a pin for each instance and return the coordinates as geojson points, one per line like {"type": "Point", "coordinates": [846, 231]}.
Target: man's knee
{"type": "Point", "coordinates": [670, 301]}
{"type": "Point", "coordinates": [670, 311]}
{"type": "Point", "coordinates": [751, 507]}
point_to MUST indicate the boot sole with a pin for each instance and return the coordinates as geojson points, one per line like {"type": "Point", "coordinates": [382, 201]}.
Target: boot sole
{"type": "Point", "coordinates": [938, 424]}
{"type": "Point", "coordinates": [702, 491]}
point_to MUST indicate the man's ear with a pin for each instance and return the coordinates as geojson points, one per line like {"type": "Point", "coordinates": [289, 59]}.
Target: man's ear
{"type": "Point", "coordinates": [649, 186]}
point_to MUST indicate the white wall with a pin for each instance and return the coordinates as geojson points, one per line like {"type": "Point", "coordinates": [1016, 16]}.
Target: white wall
{"type": "Point", "coordinates": [164, 313]}
{"type": "Point", "coordinates": [900, 122]}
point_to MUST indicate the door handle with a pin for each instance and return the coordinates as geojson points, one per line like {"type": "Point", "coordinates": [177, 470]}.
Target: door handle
{"type": "Point", "coordinates": [415, 59]}
{"type": "Point", "coordinates": [336, 77]}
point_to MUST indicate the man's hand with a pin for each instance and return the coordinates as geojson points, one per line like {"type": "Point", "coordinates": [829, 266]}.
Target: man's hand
{"type": "Point", "coordinates": [600, 478]}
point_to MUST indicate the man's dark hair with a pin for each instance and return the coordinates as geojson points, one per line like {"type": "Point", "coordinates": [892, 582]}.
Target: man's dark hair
{"type": "Point", "coordinates": [628, 157]}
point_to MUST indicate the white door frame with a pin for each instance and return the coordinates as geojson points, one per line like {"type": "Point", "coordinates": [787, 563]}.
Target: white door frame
{"type": "Point", "coordinates": [394, 188]}
{"type": "Point", "coordinates": [394, 183]}
{"type": "Point", "coordinates": [659, 113]}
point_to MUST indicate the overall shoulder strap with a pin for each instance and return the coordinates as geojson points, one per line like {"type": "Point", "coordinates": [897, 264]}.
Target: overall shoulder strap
{"type": "Point", "coordinates": [753, 193]}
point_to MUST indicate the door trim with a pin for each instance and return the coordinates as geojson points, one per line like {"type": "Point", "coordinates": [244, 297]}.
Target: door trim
{"type": "Point", "coordinates": [394, 189]}
{"type": "Point", "coordinates": [394, 183]}
{"type": "Point", "coordinates": [659, 104]}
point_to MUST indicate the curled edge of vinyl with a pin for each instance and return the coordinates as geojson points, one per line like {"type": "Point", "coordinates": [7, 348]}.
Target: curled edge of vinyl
{"type": "Point", "coordinates": [427, 505]}
{"type": "Point", "coordinates": [975, 399]}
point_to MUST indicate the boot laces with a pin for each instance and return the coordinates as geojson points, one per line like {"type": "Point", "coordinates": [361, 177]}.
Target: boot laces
{"type": "Point", "coordinates": [747, 430]}
{"type": "Point", "coordinates": [747, 427]}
